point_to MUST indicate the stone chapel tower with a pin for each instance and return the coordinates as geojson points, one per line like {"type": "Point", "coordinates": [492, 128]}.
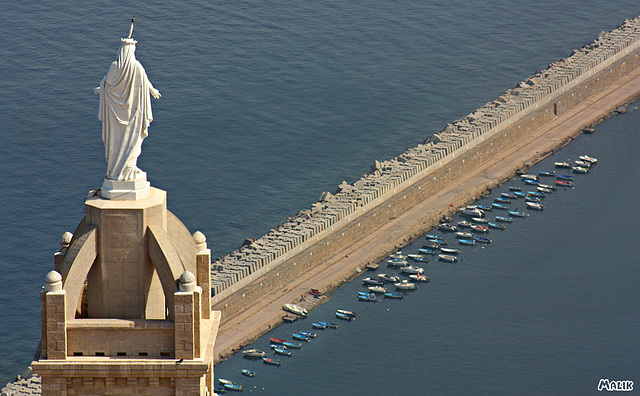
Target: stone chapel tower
{"type": "Point", "coordinates": [127, 309]}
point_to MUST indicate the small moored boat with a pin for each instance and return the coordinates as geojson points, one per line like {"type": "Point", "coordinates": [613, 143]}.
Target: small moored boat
{"type": "Point", "coordinates": [330, 325]}
{"type": "Point", "coordinates": [377, 289]}
{"type": "Point", "coordinates": [300, 337]}
{"type": "Point", "coordinates": [226, 381]}
{"type": "Point", "coordinates": [419, 277]}
{"type": "Point", "coordinates": [233, 387]}
{"type": "Point", "coordinates": [531, 182]}
{"type": "Point", "coordinates": [535, 205]}
{"type": "Point", "coordinates": [447, 227]}
{"type": "Point", "coordinates": [277, 340]}
{"type": "Point", "coordinates": [564, 183]}
{"type": "Point", "coordinates": [343, 316]}
{"type": "Point", "coordinates": [388, 278]}
{"type": "Point", "coordinates": [496, 225]}
{"type": "Point", "coordinates": [499, 206]}
{"type": "Point", "coordinates": [485, 207]}
{"type": "Point", "coordinates": [479, 228]}
{"type": "Point", "coordinates": [518, 214]}
{"type": "Point", "coordinates": [514, 188]}
{"type": "Point", "coordinates": [520, 194]}
{"type": "Point", "coordinates": [580, 169]}
{"type": "Point", "coordinates": [274, 362]}
{"type": "Point", "coordinates": [591, 160]}
{"type": "Point", "coordinates": [467, 241]}
{"type": "Point", "coordinates": [504, 219]}
{"type": "Point", "coordinates": [503, 200]}
{"type": "Point", "coordinates": [538, 194]}
{"type": "Point", "coordinates": [564, 177]}
{"type": "Point", "coordinates": [294, 345]}
{"type": "Point", "coordinates": [393, 295]}
{"type": "Point", "coordinates": [254, 353]}
{"type": "Point", "coordinates": [248, 373]}
{"type": "Point", "coordinates": [482, 240]}
{"type": "Point", "coordinates": [562, 165]}
{"type": "Point", "coordinates": [406, 285]}
{"type": "Point", "coordinates": [280, 350]}
{"type": "Point", "coordinates": [373, 281]}
{"type": "Point", "coordinates": [464, 235]}
{"type": "Point", "coordinates": [464, 224]}
{"type": "Point", "coordinates": [410, 269]}
{"type": "Point", "coordinates": [417, 257]}
{"type": "Point", "coordinates": [427, 251]}
{"type": "Point", "coordinates": [508, 195]}
{"type": "Point", "coordinates": [449, 251]}
{"type": "Point", "coordinates": [528, 177]}
{"type": "Point", "coordinates": [317, 325]}
{"type": "Point", "coordinates": [396, 262]}
{"type": "Point", "coordinates": [547, 173]}
{"type": "Point", "coordinates": [448, 258]}
{"type": "Point", "coordinates": [367, 297]}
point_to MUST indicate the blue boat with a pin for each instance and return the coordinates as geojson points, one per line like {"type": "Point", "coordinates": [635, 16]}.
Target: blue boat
{"type": "Point", "coordinates": [292, 345]}
{"type": "Point", "coordinates": [503, 199]}
{"type": "Point", "coordinates": [434, 236]}
{"type": "Point", "coordinates": [536, 194]}
{"type": "Point", "coordinates": [485, 207]}
{"type": "Point", "coordinates": [518, 214]}
{"type": "Point", "coordinates": [233, 387]}
{"type": "Point", "coordinates": [547, 173]}
{"type": "Point", "coordinates": [438, 241]}
{"type": "Point", "coordinates": [344, 316]}
{"type": "Point", "coordinates": [393, 295]}
{"type": "Point", "coordinates": [416, 257]}
{"type": "Point", "coordinates": [519, 194]}
{"type": "Point", "coordinates": [514, 188]}
{"type": "Point", "coordinates": [361, 293]}
{"type": "Point", "coordinates": [499, 206]}
{"type": "Point", "coordinates": [496, 225]}
{"type": "Point", "coordinates": [248, 373]}
{"type": "Point", "coordinates": [317, 325]}
{"type": "Point", "coordinates": [427, 251]}
{"type": "Point", "coordinates": [300, 337]}
{"type": "Point", "coordinates": [482, 240]}
{"type": "Point", "coordinates": [367, 298]}
{"type": "Point", "coordinates": [280, 350]}
{"type": "Point", "coordinates": [330, 325]}
{"type": "Point", "coordinates": [219, 389]}
{"type": "Point", "coordinates": [564, 177]}
{"type": "Point", "coordinates": [466, 241]}
{"type": "Point", "coordinates": [504, 219]}
{"type": "Point", "coordinates": [532, 182]}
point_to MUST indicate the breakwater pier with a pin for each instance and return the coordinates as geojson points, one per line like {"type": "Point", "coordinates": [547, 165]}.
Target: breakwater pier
{"type": "Point", "coordinates": [402, 197]}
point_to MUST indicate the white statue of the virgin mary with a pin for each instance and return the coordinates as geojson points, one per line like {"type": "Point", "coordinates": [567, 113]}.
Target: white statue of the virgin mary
{"type": "Point", "coordinates": [125, 112]}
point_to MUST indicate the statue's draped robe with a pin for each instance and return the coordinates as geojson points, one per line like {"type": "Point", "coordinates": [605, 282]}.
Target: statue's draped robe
{"type": "Point", "coordinates": [125, 112]}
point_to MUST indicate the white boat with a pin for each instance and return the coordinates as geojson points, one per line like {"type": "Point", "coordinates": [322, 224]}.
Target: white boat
{"type": "Point", "coordinates": [388, 278]}
{"type": "Point", "coordinates": [562, 165]}
{"type": "Point", "coordinates": [398, 256]}
{"type": "Point", "coordinates": [449, 250]}
{"type": "Point", "coordinates": [579, 169]}
{"type": "Point", "coordinates": [472, 212]}
{"type": "Point", "coordinates": [449, 258]}
{"type": "Point", "coordinates": [296, 309]}
{"type": "Point", "coordinates": [406, 285]}
{"type": "Point", "coordinates": [397, 262]}
{"type": "Point", "coordinates": [419, 277]}
{"type": "Point", "coordinates": [410, 269]}
{"type": "Point", "coordinates": [464, 235]}
{"type": "Point", "coordinates": [529, 177]}
{"type": "Point", "coordinates": [583, 164]}
{"type": "Point", "coordinates": [591, 160]}
{"type": "Point", "coordinates": [479, 220]}
{"type": "Point", "coordinates": [543, 190]}
{"type": "Point", "coordinates": [464, 223]}
{"type": "Point", "coordinates": [377, 289]}
{"type": "Point", "coordinates": [253, 352]}
{"type": "Point", "coordinates": [535, 205]}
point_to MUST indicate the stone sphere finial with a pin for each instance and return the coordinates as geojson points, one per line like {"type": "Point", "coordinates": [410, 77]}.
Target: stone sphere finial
{"type": "Point", "coordinates": [53, 281]}
{"type": "Point", "coordinates": [187, 282]}
{"type": "Point", "coordinates": [65, 240]}
{"type": "Point", "coordinates": [201, 240]}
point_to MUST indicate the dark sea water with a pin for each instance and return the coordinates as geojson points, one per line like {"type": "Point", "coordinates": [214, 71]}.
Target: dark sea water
{"type": "Point", "coordinates": [268, 104]}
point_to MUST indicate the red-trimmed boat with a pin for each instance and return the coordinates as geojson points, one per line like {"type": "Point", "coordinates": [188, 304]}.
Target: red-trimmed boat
{"type": "Point", "coordinates": [277, 341]}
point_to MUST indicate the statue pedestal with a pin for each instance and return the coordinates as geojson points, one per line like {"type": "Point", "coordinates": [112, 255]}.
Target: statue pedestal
{"type": "Point", "coordinates": [126, 190]}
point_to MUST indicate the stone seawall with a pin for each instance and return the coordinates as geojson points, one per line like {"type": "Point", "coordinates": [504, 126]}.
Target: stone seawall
{"type": "Point", "coordinates": [304, 242]}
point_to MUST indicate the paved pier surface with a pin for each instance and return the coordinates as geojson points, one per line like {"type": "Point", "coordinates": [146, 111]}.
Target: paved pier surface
{"type": "Point", "coordinates": [237, 331]}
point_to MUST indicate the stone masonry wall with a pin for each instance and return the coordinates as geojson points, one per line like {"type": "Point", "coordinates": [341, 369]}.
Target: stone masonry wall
{"type": "Point", "coordinates": [240, 278]}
